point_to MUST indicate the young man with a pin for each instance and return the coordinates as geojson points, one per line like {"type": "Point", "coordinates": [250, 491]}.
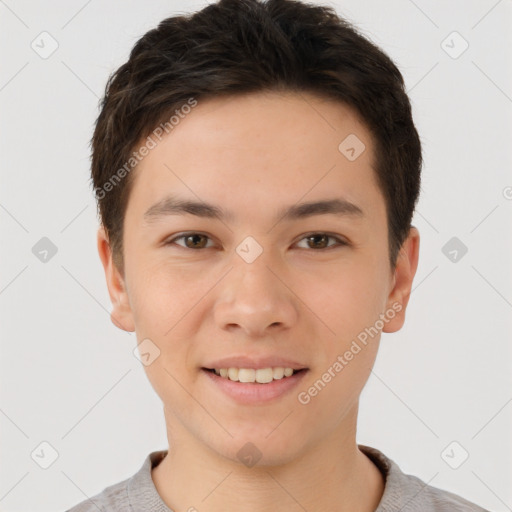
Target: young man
{"type": "Point", "coordinates": [257, 167]}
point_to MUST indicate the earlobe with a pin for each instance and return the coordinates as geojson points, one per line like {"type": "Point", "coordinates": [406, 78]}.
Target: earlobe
{"type": "Point", "coordinates": [407, 264]}
{"type": "Point", "coordinates": [121, 315]}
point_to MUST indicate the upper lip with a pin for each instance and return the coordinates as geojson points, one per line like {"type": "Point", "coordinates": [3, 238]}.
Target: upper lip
{"type": "Point", "coordinates": [254, 363]}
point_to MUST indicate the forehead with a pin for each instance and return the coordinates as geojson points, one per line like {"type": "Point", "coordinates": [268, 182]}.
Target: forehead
{"type": "Point", "coordinates": [257, 152]}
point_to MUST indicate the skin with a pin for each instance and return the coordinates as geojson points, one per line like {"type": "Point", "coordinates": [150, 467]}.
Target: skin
{"type": "Point", "coordinates": [253, 155]}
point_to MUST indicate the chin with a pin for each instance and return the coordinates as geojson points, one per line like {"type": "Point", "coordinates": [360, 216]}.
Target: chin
{"type": "Point", "coordinates": [258, 450]}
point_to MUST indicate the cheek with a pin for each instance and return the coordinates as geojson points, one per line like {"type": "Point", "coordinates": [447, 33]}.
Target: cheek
{"type": "Point", "coordinates": [171, 380]}
{"type": "Point", "coordinates": [161, 305]}
{"type": "Point", "coordinates": [332, 394]}
{"type": "Point", "coordinates": [160, 297]}
{"type": "Point", "coordinates": [346, 297]}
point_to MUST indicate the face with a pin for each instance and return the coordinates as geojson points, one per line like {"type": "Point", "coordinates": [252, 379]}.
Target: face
{"type": "Point", "coordinates": [245, 279]}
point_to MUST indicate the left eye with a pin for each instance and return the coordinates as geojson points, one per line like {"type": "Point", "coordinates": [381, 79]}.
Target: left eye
{"type": "Point", "coordinates": [319, 239]}
{"type": "Point", "coordinates": [322, 239]}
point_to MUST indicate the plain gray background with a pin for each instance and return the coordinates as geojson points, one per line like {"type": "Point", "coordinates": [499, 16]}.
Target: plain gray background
{"type": "Point", "coordinates": [69, 377]}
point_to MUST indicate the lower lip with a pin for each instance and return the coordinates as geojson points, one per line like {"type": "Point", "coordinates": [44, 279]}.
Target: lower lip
{"type": "Point", "coordinates": [254, 392]}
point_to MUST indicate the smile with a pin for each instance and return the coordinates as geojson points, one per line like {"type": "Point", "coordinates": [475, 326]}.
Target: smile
{"type": "Point", "coordinates": [247, 390]}
{"type": "Point", "coordinates": [260, 375]}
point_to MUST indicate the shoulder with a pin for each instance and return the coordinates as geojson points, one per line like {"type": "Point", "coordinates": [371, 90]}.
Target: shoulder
{"type": "Point", "coordinates": [114, 497]}
{"type": "Point", "coordinates": [409, 493]}
{"type": "Point", "coordinates": [130, 494]}
{"type": "Point", "coordinates": [137, 492]}
{"type": "Point", "coordinates": [420, 496]}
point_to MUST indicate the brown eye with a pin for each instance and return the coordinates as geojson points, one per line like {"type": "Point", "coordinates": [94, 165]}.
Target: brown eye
{"type": "Point", "coordinates": [192, 241]}
{"type": "Point", "coordinates": [320, 241]}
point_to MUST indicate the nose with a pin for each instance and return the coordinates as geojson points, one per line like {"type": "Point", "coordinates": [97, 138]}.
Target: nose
{"type": "Point", "coordinates": [255, 299]}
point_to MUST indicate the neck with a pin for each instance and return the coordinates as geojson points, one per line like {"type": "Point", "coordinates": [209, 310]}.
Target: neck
{"type": "Point", "coordinates": [330, 475]}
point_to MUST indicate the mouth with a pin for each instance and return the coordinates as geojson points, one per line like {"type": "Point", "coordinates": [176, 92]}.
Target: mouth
{"type": "Point", "coordinates": [247, 389]}
{"type": "Point", "coordinates": [254, 376]}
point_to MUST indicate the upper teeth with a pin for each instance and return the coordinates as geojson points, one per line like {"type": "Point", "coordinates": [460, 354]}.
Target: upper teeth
{"type": "Point", "coordinates": [261, 375]}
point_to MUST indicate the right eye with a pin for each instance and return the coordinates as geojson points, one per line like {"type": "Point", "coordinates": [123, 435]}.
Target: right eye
{"type": "Point", "coordinates": [193, 240]}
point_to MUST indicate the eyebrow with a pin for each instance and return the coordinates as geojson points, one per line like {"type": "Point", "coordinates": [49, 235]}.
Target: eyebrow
{"type": "Point", "coordinates": [172, 205]}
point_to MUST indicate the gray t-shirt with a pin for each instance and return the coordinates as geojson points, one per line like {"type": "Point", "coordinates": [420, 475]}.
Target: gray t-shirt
{"type": "Point", "coordinates": [402, 492]}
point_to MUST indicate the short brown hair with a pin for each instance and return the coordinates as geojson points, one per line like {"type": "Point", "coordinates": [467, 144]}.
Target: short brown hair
{"type": "Point", "coordinates": [243, 46]}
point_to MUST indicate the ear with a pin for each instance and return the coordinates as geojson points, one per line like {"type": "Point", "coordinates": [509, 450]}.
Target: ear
{"type": "Point", "coordinates": [121, 315]}
{"type": "Point", "coordinates": [405, 270]}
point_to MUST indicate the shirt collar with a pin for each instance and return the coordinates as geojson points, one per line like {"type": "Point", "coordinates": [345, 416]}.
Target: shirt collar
{"type": "Point", "coordinates": [142, 493]}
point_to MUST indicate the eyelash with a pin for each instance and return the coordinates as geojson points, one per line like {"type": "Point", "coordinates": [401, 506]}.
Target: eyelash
{"type": "Point", "coordinates": [340, 242]}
